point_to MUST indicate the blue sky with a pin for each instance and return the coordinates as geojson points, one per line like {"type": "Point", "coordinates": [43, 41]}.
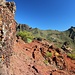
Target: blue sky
{"type": "Point", "coordinates": [46, 14]}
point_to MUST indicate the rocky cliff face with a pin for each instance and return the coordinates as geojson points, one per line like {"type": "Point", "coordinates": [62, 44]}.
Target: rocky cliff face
{"type": "Point", "coordinates": [7, 34]}
{"type": "Point", "coordinates": [2, 2]}
{"type": "Point", "coordinates": [72, 33]}
{"type": "Point", "coordinates": [22, 27]}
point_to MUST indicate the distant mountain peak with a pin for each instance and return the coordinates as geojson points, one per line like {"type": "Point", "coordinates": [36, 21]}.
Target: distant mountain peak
{"type": "Point", "coordinates": [71, 28]}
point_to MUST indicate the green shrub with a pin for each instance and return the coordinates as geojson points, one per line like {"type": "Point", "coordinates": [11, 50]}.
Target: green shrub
{"type": "Point", "coordinates": [26, 36]}
{"type": "Point", "coordinates": [46, 62]}
{"type": "Point", "coordinates": [29, 40]}
{"type": "Point", "coordinates": [48, 54]}
{"type": "Point", "coordinates": [72, 56]}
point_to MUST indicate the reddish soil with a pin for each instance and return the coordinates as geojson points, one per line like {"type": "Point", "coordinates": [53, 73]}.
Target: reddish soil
{"type": "Point", "coordinates": [30, 59]}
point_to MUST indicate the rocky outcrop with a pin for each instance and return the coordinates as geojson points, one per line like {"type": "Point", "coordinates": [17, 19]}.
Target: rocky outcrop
{"type": "Point", "coordinates": [22, 27]}
{"type": "Point", "coordinates": [2, 2]}
{"type": "Point", "coordinates": [7, 34]}
{"type": "Point", "coordinates": [66, 47]}
{"type": "Point", "coordinates": [72, 33]}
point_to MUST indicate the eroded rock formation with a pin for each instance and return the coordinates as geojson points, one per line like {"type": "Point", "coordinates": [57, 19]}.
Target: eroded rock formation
{"type": "Point", "coordinates": [7, 34]}
{"type": "Point", "coordinates": [2, 2]}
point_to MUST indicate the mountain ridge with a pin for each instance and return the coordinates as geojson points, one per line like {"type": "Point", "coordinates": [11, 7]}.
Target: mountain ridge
{"type": "Point", "coordinates": [51, 35]}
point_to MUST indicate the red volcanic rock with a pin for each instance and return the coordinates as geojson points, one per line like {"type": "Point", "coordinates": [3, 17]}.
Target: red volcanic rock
{"type": "Point", "coordinates": [22, 61]}
{"type": "Point", "coordinates": [7, 36]}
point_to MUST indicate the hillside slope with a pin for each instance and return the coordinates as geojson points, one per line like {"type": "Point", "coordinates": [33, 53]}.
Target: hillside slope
{"type": "Point", "coordinates": [39, 58]}
{"type": "Point", "coordinates": [55, 36]}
